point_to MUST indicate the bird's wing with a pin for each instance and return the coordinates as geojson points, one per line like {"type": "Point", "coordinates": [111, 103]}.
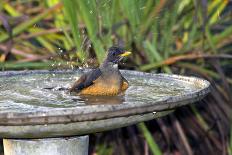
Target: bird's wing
{"type": "Point", "coordinates": [86, 80]}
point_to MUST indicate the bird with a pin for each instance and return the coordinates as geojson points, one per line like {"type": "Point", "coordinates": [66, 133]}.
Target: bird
{"type": "Point", "coordinates": [106, 80]}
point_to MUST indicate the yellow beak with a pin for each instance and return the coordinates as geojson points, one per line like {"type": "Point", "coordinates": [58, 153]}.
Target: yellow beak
{"type": "Point", "coordinates": [125, 54]}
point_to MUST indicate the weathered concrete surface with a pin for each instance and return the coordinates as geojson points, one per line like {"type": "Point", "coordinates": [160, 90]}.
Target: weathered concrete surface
{"type": "Point", "coordinates": [106, 111]}
{"type": "Point", "coordinates": [49, 146]}
{"type": "Point", "coordinates": [86, 119]}
{"type": "Point", "coordinates": [76, 128]}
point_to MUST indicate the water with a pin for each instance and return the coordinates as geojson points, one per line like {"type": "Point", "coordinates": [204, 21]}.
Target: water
{"type": "Point", "coordinates": [27, 93]}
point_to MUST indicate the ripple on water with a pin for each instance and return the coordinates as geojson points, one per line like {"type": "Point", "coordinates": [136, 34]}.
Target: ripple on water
{"type": "Point", "coordinates": [26, 92]}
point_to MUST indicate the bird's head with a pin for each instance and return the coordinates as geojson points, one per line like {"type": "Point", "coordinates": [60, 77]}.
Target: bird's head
{"type": "Point", "coordinates": [116, 54]}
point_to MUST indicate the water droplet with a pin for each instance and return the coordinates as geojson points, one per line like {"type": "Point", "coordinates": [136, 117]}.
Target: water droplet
{"type": "Point", "coordinates": [72, 67]}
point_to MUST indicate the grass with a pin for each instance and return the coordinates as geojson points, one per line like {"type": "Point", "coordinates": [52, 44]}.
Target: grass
{"type": "Point", "coordinates": [182, 36]}
{"type": "Point", "coordinates": [151, 142]}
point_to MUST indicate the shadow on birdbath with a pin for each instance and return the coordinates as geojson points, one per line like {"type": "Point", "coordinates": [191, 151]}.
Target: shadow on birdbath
{"type": "Point", "coordinates": [33, 120]}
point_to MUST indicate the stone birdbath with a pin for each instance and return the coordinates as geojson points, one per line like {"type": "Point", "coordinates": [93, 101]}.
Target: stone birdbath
{"type": "Point", "coordinates": [36, 120]}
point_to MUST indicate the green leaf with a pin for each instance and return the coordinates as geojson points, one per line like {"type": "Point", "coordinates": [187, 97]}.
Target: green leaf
{"type": "Point", "coordinates": [150, 140]}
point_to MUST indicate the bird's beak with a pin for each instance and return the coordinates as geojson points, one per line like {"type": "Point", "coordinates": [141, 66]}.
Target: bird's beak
{"type": "Point", "coordinates": [125, 54]}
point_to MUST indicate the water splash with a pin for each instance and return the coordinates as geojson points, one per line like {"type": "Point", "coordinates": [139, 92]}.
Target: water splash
{"type": "Point", "coordinates": [28, 93]}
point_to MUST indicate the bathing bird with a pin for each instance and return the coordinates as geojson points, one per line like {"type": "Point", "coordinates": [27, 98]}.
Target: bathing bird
{"type": "Point", "coordinates": [106, 80]}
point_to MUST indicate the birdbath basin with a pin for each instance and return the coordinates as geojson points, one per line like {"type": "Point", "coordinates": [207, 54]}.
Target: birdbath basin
{"type": "Point", "coordinates": [34, 118]}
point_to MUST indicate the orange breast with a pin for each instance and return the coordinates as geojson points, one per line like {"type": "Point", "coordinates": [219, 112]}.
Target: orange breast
{"type": "Point", "coordinates": [99, 90]}
{"type": "Point", "coordinates": [104, 87]}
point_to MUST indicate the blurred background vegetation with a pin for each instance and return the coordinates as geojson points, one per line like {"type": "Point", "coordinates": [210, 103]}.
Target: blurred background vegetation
{"type": "Point", "coordinates": [189, 37]}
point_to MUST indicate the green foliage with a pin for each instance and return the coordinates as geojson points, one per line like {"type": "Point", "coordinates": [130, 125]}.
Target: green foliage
{"type": "Point", "coordinates": [88, 12]}
{"type": "Point", "coordinates": [102, 149]}
{"type": "Point", "coordinates": [71, 14]}
{"type": "Point", "coordinates": [160, 29]}
{"type": "Point", "coordinates": [149, 138]}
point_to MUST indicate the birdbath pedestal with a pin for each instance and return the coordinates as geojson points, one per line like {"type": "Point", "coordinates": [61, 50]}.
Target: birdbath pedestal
{"type": "Point", "coordinates": [35, 119]}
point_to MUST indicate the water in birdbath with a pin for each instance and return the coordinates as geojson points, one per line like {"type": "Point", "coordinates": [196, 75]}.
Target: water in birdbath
{"type": "Point", "coordinates": [27, 92]}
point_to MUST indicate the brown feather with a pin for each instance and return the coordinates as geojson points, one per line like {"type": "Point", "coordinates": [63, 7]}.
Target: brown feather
{"type": "Point", "coordinates": [78, 82]}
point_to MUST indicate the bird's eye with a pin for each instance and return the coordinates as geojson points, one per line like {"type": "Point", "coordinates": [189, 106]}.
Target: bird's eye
{"type": "Point", "coordinates": [114, 54]}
